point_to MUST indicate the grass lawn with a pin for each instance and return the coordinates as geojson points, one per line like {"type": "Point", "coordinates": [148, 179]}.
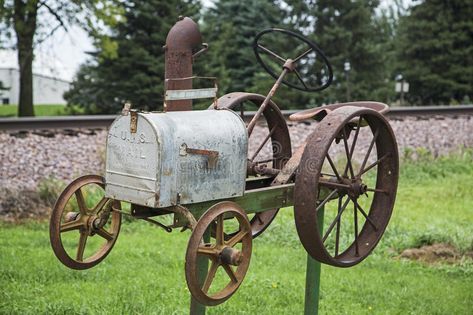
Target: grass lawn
{"type": "Point", "coordinates": [40, 110]}
{"type": "Point", "coordinates": [144, 274]}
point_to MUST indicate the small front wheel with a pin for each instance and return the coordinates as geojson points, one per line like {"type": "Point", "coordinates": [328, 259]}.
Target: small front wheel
{"type": "Point", "coordinates": [83, 226]}
{"type": "Point", "coordinates": [229, 259]}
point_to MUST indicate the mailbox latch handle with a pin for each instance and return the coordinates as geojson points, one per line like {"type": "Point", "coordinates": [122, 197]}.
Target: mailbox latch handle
{"type": "Point", "coordinates": [212, 156]}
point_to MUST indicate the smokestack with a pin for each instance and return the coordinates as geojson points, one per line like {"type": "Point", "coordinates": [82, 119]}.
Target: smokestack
{"type": "Point", "coordinates": [183, 39]}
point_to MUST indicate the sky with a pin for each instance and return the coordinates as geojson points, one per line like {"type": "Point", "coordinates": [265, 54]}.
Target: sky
{"type": "Point", "coordinates": [61, 55]}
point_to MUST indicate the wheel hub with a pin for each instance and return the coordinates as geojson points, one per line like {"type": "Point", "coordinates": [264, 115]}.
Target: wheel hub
{"type": "Point", "coordinates": [356, 187]}
{"type": "Point", "coordinates": [231, 256]}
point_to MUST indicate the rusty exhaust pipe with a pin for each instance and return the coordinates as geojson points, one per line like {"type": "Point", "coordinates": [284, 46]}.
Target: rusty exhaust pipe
{"type": "Point", "coordinates": [183, 39]}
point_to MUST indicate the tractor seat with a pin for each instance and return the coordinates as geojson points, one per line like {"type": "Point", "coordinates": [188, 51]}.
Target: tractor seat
{"type": "Point", "coordinates": [318, 113]}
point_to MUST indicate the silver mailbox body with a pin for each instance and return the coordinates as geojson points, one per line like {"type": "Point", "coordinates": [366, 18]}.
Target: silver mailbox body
{"type": "Point", "coordinates": [159, 165]}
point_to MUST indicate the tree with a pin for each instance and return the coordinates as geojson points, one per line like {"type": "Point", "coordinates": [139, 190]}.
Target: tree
{"type": "Point", "coordinates": [230, 28]}
{"type": "Point", "coordinates": [129, 62]}
{"type": "Point", "coordinates": [435, 51]}
{"type": "Point", "coordinates": [31, 22]}
{"type": "Point", "coordinates": [347, 31]}
{"type": "Point", "coordinates": [354, 37]}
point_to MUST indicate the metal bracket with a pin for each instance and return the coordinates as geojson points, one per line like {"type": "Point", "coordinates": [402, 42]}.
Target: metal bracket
{"type": "Point", "coordinates": [191, 94]}
{"type": "Point", "coordinates": [133, 120]}
{"type": "Point", "coordinates": [212, 156]}
{"type": "Point", "coordinates": [205, 47]}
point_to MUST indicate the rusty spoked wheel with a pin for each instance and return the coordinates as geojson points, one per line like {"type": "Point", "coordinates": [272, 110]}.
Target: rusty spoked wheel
{"type": "Point", "coordinates": [228, 260]}
{"type": "Point", "coordinates": [273, 151]}
{"type": "Point", "coordinates": [350, 166]}
{"type": "Point", "coordinates": [83, 226]}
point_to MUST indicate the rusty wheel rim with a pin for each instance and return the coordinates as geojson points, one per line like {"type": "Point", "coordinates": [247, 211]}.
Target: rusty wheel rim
{"type": "Point", "coordinates": [345, 188]}
{"type": "Point", "coordinates": [231, 256]}
{"type": "Point", "coordinates": [280, 144]}
{"type": "Point", "coordinates": [98, 222]}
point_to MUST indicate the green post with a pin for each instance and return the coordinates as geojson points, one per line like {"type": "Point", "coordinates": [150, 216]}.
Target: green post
{"type": "Point", "coordinates": [202, 267]}
{"type": "Point", "coordinates": [312, 279]}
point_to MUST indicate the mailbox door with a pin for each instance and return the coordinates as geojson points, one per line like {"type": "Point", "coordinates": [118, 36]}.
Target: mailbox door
{"type": "Point", "coordinates": [132, 162]}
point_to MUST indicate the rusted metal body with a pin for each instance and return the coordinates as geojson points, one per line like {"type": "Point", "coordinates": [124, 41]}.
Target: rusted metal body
{"type": "Point", "coordinates": [183, 40]}
{"type": "Point", "coordinates": [195, 165]}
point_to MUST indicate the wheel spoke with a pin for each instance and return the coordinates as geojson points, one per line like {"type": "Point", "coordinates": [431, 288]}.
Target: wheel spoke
{"type": "Point", "coordinates": [337, 233]}
{"type": "Point", "coordinates": [219, 235]}
{"type": "Point", "coordinates": [237, 238]}
{"type": "Point", "coordinates": [81, 202]}
{"type": "Point", "coordinates": [258, 217]}
{"type": "Point", "coordinates": [230, 272]}
{"type": "Point", "coordinates": [210, 276]}
{"type": "Point", "coordinates": [300, 78]}
{"type": "Point", "coordinates": [355, 218]}
{"type": "Point", "coordinates": [375, 136]}
{"type": "Point", "coordinates": [363, 171]}
{"type": "Point", "coordinates": [302, 55]}
{"type": "Point", "coordinates": [105, 234]}
{"type": "Point", "coordinates": [100, 205]}
{"type": "Point", "coordinates": [70, 226]}
{"type": "Point", "coordinates": [353, 144]}
{"type": "Point", "coordinates": [347, 152]}
{"type": "Point", "coordinates": [271, 53]}
{"type": "Point", "coordinates": [81, 247]}
{"type": "Point", "coordinates": [328, 175]}
{"type": "Point", "coordinates": [326, 200]}
{"type": "Point", "coordinates": [263, 143]}
{"type": "Point", "coordinates": [365, 215]}
{"type": "Point", "coordinates": [332, 165]}
{"type": "Point", "coordinates": [337, 218]}
{"type": "Point", "coordinates": [206, 251]}
{"type": "Point", "coordinates": [333, 184]}
{"type": "Point", "coordinates": [377, 190]}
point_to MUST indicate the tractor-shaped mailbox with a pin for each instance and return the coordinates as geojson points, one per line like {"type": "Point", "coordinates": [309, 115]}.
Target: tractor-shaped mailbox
{"type": "Point", "coordinates": [206, 170]}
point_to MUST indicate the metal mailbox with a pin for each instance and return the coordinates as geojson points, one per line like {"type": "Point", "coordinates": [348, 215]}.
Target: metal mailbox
{"type": "Point", "coordinates": [163, 159]}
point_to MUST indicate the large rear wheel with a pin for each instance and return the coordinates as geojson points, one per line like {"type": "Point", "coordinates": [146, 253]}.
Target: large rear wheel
{"type": "Point", "coordinates": [349, 168]}
{"type": "Point", "coordinates": [269, 147]}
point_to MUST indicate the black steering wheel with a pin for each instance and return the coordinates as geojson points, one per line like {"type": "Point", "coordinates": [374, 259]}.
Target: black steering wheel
{"type": "Point", "coordinates": [319, 80]}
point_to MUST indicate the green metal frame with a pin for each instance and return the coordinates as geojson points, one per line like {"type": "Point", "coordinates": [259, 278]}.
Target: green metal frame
{"type": "Point", "coordinates": [253, 201]}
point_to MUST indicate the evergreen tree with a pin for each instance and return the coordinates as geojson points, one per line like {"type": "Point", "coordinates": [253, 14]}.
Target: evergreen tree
{"type": "Point", "coordinates": [230, 27]}
{"type": "Point", "coordinates": [436, 51]}
{"type": "Point", "coordinates": [349, 32]}
{"type": "Point", "coordinates": [129, 63]}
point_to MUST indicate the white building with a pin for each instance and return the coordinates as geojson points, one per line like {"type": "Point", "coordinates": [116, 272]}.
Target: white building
{"type": "Point", "coordinates": [46, 89]}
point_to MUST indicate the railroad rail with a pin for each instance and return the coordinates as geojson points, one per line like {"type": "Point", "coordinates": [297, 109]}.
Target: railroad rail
{"type": "Point", "coordinates": [103, 121]}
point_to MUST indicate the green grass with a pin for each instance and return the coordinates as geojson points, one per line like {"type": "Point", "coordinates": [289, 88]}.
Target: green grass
{"type": "Point", "coordinates": [40, 110]}
{"type": "Point", "coordinates": [144, 274]}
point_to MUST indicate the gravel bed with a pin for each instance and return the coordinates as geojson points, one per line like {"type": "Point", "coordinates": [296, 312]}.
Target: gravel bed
{"type": "Point", "coordinates": [25, 162]}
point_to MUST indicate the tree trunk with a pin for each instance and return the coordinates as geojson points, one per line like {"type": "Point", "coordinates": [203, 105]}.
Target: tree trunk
{"type": "Point", "coordinates": [25, 28]}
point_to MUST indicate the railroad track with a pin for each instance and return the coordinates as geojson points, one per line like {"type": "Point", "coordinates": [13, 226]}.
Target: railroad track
{"type": "Point", "coordinates": [103, 121]}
